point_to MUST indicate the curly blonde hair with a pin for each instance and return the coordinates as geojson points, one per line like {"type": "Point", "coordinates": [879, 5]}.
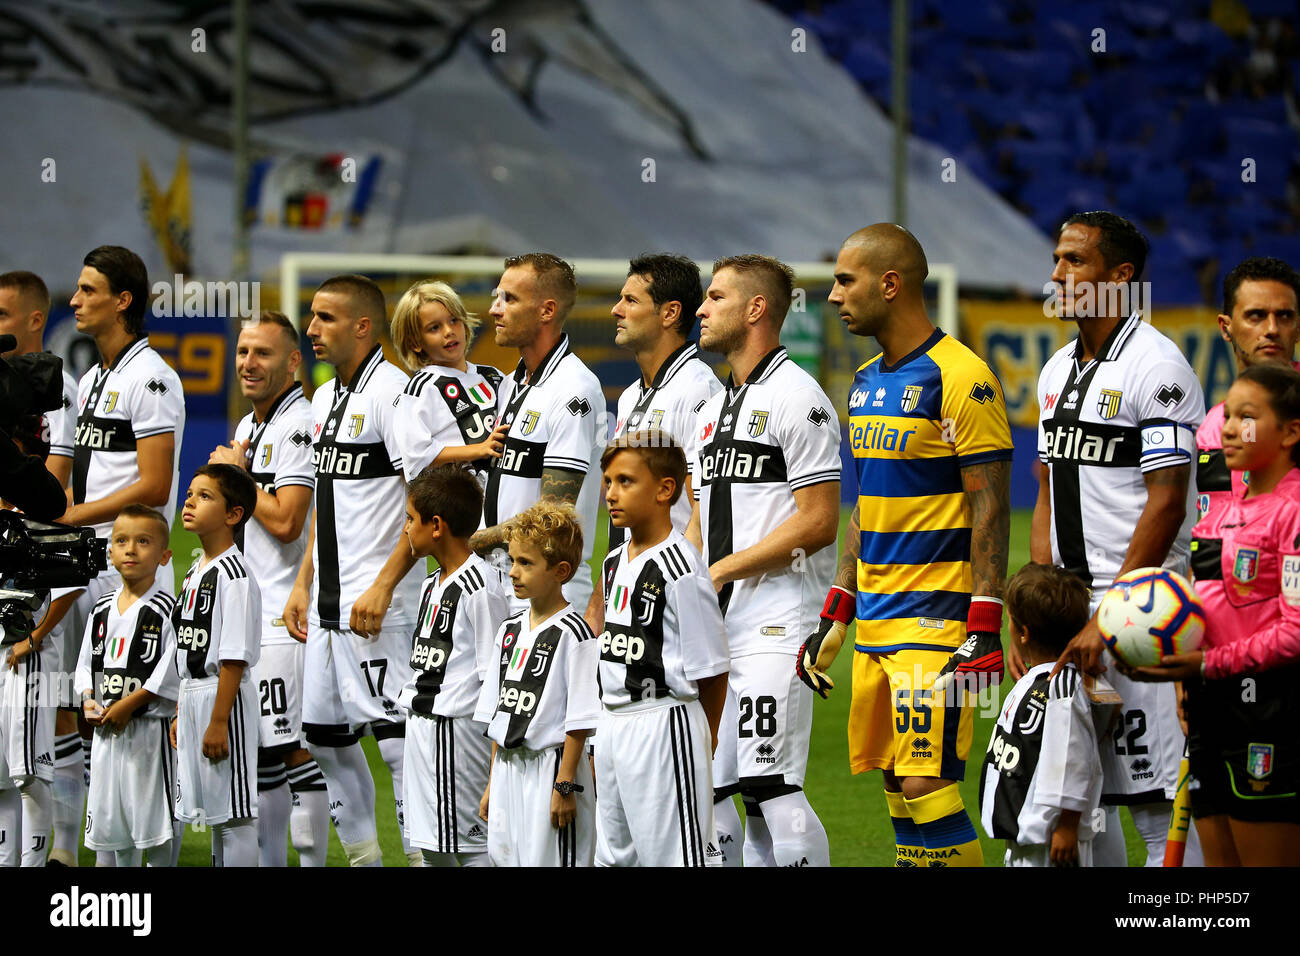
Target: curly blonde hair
{"type": "Point", "coordinates": [551, 527]}
{"type": "Point", "coordinates": [408, 337]}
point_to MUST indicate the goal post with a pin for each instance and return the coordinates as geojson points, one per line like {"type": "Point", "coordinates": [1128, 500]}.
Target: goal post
{"type": "Point", "coordinates": [813, 332]}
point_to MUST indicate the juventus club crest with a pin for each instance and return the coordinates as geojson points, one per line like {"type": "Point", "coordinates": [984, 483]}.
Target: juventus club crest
{"type": "Point", "coordinates": [149, 639]}
{"type": "Point", "coordinates": [541, 657]}
{"type": "Point", "coordinates": [1035, 708]}
{"type": "Point", "coordinates": [757, 423]}
{"type": "Point", "coordinates": [355, 424]}
{"type": "Point", "coordinates": [645, 612]}
{"type": "Point", "coordinates": [1108, 403]}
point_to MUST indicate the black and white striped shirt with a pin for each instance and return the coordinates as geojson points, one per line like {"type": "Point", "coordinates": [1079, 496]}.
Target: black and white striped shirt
{"type": "Point", "coordinates": [663, 628]}
{"type": "Point", "coordinates": [443, 406]}
{"type": "Point", "coordinates": [218, 617]}
{"type": "Point", "coordinates": [123, 652]}
{"type": "Point", "coordinates": [543, 684]}
{"type": "Point", "coordinates": [1043, 758]}
{"type": "Point", "coordinates": [360, 494]}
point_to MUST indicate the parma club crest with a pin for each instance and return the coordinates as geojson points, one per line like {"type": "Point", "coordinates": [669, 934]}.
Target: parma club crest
{"type": "Point", "coordinates": [531, 419]}
{"type": "Point", "coordinates": [355, 424]}
{"type": "Point", "coordinates": [757, 423]}
{"type": "Point", "coordinates": [1108, 403]}
{"type": "Point", "coordinates": [266, 456]}
{"type": "Point", "coordinates": [110, 402]}
{"type": "Point", "coordinates": [911, 396]}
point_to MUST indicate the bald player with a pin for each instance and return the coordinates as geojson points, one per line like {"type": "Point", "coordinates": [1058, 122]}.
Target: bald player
{"type": "Point", "coordinates": [925, 557]}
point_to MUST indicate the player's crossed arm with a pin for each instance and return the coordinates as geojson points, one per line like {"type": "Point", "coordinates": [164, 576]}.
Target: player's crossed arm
{"type": "Point", "coordinates": [559, 484]}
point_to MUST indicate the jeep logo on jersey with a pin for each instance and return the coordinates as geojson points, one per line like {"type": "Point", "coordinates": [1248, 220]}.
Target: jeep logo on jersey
{"type": "Point", "coordinates": [983, 393]}
{"type": "Point", "coordinates": [621, 648]}
{"type": "Point", "coordinates": [1006, 755]}
{"type": "Point", "coordinates": [911, 395]}
{"type": "Point", "coordinates": [110, 402]}
{"type": "Point", "coordinates": [514, 700]}
{"type": "Point", "coordinates": [1170, 395]}
{"type": "Point", "coordinates": [425, 657]}
{"type": "Point", "coordinates": [1108, 403]}
{"type": "Point", "coordinates": [192, 637]}
{"type": "Point", "coordinates": [355, 424]}
{"type": "Point", "coordinates": [266, 455]}
{"type": "Point", "coordinates": [757, 423]}
{"type": "Point", "coordinates": [530, 422]}
{"type": "Point", "coordinates": [112, 685]}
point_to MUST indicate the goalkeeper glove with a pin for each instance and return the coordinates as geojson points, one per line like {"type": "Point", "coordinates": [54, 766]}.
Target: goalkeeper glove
{"type": "Point", "coordinates": [818, 652]}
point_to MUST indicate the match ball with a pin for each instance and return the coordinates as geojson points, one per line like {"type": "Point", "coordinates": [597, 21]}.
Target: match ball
{"type": "Point", "coordinates": [1149, 614]}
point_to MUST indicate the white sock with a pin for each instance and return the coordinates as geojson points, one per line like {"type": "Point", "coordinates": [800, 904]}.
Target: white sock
{"type": "Point", "coordinates": [352, 799]}
{"type": "Point", "coordinates": [393, 750]}
{"type": "Point", "coordinates": [731, 834]}
{"type": "Point", "coordinates": [69, 793]}
{"type": "Point", "coordinates": [11, 826]}
{"type": "Point", "coordinates": [758, 839]}
{"type": "Point", "coordinates": [106, 859]}
{"type": "Point", "coordinates": [123, 858]}
{"type": "Point", "coordinates": [237, 842]}
{"type": "Point", "coordinates": [309, 821]}
{"type": "Point", "coordinates": [274, 803]}
{"type": "Point", "coordinates": [161, 855]}
{"type": "Point", "coordinates": [178, 833]}
{"type": "Point", "coordinates": [798, 837]}
{"type": "Point", "coordinates": [38, 813]}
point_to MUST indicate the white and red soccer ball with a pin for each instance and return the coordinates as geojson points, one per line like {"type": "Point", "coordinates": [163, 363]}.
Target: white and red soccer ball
{"type": "Point", "coordinates": [1150, 614]}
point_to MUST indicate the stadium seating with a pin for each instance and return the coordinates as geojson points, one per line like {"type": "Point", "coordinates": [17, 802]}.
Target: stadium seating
{"type": "Point", "coordinates": [1155, 127]}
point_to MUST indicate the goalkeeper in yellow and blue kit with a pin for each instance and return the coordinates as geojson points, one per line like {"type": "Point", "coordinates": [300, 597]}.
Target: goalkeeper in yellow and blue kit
{"type": "Point", "coordinates": [925, 556]}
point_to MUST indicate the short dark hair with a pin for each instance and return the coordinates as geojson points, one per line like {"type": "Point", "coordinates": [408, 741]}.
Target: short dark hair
{"type": "Point", "coordinates": [1049, 603]}
{"type": "Point", "coordinates": [775, 280]}
{"type": "Point", "coordinates": [271, 317]}
{"type": "Point", "coordinates": [1120, 241]}
{"type": "Point", "coordinates": [30, 286]}
{"type": "Point", "coordinates": [451, 493]}
{"type": "Point", "coordinates": [236, 486]}
{"type": "Point", "coordinates": [367, 298]}
{"type": "Point", "coordinates": [661, 454]}
{"type": "Point", "coordinates": [137, 510]}
{"type": "Point", "coordinates": [672, 279]}
{"type": "Point", "coordinates": [125, 272]}
{"type": "Point", "coordinates": [554, 275]}
{"type": "Point", "coordinates": [1254, 269]}
{"type": "Point", "coordinates": [1282, 383]}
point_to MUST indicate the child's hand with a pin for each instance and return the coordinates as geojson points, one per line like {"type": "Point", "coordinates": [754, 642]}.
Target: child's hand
{"type": "Point", "coordinates": [492, 446]}
{"type": "Point", "coordinates": [1065, 844]}
{"type": "Point", "coordinates": [171, 734]}
{"type": "Point", "coordinates": [563, 809]}
{"type": "Point", "coordinates": [483, 802]}
{"type": "Point", "coordinates": [216, 741]}
{"type": "Point", "coordinates": [18, 651]}
{"type": "Point", "coordinates": [92, 710]}
{"type": "Point", "coordinates": [116, 716]}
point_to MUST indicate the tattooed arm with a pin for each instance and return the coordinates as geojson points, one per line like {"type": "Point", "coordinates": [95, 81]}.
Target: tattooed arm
{"type": "Point", "coordinates": [558, 484]}
{"type": "Point", "coordinates": [846, 572]}
{"type": "Point", "coordinates": [988, 492]}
